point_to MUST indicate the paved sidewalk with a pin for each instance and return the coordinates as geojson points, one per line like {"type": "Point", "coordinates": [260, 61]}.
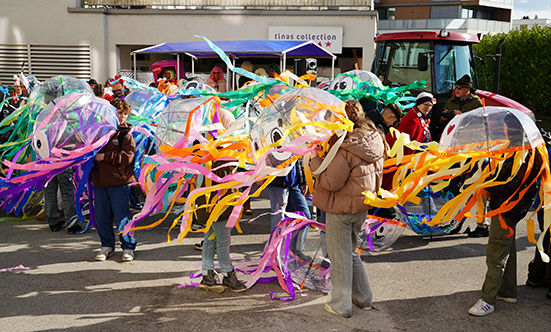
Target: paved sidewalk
{"type": "Point", "coordinates": [420, 284]}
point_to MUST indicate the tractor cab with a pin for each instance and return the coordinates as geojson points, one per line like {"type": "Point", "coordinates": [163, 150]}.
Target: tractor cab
{"type": "Point", "coordinates": [439, 58]}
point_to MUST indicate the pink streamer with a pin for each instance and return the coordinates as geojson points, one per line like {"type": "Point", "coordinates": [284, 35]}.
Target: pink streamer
{"type": "Point", "coordinates": [18, 267]}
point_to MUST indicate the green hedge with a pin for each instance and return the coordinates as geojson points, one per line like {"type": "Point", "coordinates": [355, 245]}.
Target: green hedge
{"type": "Point", "coordinates": [525, 66]}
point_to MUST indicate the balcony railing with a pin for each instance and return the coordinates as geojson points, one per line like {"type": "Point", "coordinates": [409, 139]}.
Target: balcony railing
{"type": "Point", "coordinates": [232, 4]}
{"type": "Point", "coordinates": [451, 24]}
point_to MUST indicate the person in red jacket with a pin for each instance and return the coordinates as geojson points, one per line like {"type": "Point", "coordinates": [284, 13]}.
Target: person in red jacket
{"type": "Point", "coordinates": [111, 176]}
{"type": "Point", "coordinates": [415, 123]}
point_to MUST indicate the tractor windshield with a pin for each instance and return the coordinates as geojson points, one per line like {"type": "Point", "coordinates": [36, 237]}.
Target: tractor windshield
{"type": "Point", "coordinates": [399, 66]}
{"type": "Point", "coordinates": [451, 63]}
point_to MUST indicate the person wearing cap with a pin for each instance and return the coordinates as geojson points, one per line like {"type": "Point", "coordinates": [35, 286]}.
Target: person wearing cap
{"type": "Point", "coordinates": [92, 82]}
{"type": "Point", "coordinates": [19, 91]}
{"type": "Point", "coordinates": [465, 99]}
{"type": "Point", "coordinates": [416, 124]}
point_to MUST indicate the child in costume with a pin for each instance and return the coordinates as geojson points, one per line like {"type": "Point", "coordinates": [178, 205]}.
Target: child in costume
{"type": "Point", "coordinates": [218, 237]}
{"type": "Point", "coordinates": [111, 176]}
{"type": "Point", "coordinates": [501, 254]}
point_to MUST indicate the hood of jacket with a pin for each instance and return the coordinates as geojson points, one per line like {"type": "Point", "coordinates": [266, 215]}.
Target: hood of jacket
{"type": "Point", "coordinates": [359, 142]}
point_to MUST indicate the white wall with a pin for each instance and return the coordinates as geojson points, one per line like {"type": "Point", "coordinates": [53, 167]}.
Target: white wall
{"type": "Point", "coordinates": [529, 23]}
{"type": "Point", "coordinates": [59, 22]}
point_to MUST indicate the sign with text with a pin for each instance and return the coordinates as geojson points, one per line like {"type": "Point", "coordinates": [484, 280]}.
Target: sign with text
{"type": "Point", "coordinates": [330, 38]}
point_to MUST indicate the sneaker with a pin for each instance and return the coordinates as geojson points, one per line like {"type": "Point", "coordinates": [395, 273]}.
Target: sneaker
{"type": "Point", "coordinates": [457, 228]}
{"type": "Point", "coordinates": [535, 283]}
{"type": "Point", "coordinates": [104, 253]}
{"type": "Point", "coordinates": [128, 255]}
{"type": "Point", "coordinates": [74, 229]}
{"type": "Point", "coordinates": [507, 299]}
{"type": "Point", "coordinates": [199, 246]}
{"type": "Point", "coordinates": [232, 283]}
{"type": "Point", "coordinates": [548, 294]}
{"type": "Point", "coordinates": [481, 308]}
{"type": "Point", "coordinates": [209, 283]}
{"type": "Point", "coordinates": [73, 225]}
{"type": "Point", "coordinates": [328, 308]}
{"type": "Point", "coordinates": [480, 232]}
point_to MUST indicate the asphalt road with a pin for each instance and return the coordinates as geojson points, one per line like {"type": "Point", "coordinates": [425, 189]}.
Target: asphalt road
{"type": "Point", "coordinates": [420, 284]}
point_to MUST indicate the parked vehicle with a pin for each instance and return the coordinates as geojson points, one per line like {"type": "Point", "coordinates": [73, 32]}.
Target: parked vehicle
{"type": "Point", "coordinates": [440, 58]}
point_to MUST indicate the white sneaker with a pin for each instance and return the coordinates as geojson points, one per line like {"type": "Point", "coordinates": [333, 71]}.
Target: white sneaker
{"type": "Point", "coordinates": [507, 299]}
{"type": "Point", "coordinates": [104, 253]}
{"type": "Point", "coordinates": [128, 255]}
{"type": "Point", "coordinates": [481, 308]}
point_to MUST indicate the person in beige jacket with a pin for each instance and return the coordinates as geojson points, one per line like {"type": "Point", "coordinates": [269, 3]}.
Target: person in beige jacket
{"type": "Point", "coordinates": [357, 167]}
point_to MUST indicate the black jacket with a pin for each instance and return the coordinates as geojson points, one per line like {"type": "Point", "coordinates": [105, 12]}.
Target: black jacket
{"type": "Point", "coordinates": [501, 193]}
{"type": "Point", "coordinates": [378, 120]}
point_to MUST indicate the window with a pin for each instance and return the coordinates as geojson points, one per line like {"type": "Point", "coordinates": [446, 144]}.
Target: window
{"type": "Point", "coordinates": [445, 11]}
{"type": "Point", "coordinates": [467, 13]}
{"type": "Point", "coordinates": [451, 63]}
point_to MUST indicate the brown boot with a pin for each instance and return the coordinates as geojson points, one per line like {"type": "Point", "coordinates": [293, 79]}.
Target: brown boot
{"type": "Point", "coordinates": [247, 207]}
{"type": "Point", "coordinates": [232, 283]}
{"type": "Point", "coordinates": [209, 283]}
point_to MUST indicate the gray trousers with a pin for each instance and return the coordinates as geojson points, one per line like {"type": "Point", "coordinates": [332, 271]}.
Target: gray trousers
{"type": "Point", "coordinates": [63, 181]}
{"type": "Point", "coordinates": [348, 278]}
{"type": "Point", "coordinates": [501, 259]}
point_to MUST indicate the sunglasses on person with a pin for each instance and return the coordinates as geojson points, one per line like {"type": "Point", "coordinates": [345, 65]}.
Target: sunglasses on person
{"type": "Point", "coordinates": [460, 87]}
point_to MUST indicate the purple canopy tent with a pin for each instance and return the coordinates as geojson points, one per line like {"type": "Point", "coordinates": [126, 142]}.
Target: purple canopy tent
{"type": "Point", "coordinates": [243, 48]}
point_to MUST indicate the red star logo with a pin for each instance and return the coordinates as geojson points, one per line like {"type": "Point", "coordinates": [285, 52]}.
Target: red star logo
{"type": "Point", "coordinates": [320, 44]}
{"type": "Point", "coordinates": [328, 44]}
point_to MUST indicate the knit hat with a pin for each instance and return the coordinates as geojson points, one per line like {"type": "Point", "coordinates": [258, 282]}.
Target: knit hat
{"type": "Point", "coordinates": [423, 97]}
{"type": "Point", "coordinates": [465, 82]}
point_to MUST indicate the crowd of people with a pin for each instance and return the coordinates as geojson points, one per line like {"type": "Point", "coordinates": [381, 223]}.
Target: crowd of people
{"type": "Point", "coordinates": [356, 167]}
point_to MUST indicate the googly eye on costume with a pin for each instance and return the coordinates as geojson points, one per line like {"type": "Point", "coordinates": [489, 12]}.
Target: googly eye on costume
{"type": "Point", "coordinates": [273, 135]}
{"type": "Point", "coordinates": [335, 83]}
{"type": "Point", "coordinates": [41, 145]}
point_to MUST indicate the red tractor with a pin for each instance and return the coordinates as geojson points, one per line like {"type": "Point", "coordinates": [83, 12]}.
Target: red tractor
{"type": "Point", "coordinates": [440, 58]}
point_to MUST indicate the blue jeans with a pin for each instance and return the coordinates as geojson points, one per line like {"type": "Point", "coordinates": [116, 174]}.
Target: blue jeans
{"type": "Point", "coordinates": [220, 245]}
{"type": "Point", "coordinates": [291, 200]}
{"type": "Point", "coordinates": [297, 203]}
{"type": "Point", "coordinates": [278, 203]}
{"type": "Point", "coordinates": [63, 181]}
{"type": "Point", "coordinates": [113, 203]}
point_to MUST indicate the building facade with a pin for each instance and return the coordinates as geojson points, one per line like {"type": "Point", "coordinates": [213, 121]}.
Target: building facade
{"type": "Point", "coordinates": [95, 38]}
{"type": "Point", "coordinates": [530, 23]}
{"type": "Point", "coordinates": [478, 16]}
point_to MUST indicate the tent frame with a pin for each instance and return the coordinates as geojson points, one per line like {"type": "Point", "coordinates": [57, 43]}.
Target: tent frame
{"type": "Point", "coordinates": [190, 49]}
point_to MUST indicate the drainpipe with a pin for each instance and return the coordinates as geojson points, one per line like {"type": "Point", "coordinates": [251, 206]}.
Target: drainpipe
{"type": "Point", "coordinates": [105, 44]}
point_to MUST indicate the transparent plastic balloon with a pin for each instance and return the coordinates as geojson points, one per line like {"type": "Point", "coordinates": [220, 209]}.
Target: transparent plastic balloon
{"type": "Point", "coordinates": [71, 122]}
{"type": "Point", "coordinates": [381, 235]}
{"type": "Point", "coordinates": [307, 259]}
{"type": "Point", "coordinates": [147, 103]}
{"type": "Point", "coordinates": [489, 129]}
{"type": "Point", "coordinates": [193, 88]}
{"type": "Point", "coordinates": [345, 82]}
{"type": "Point", "coordinates": [172, 124]}
{"type": "Point", "coordinates": [304, 105]}
{"type": "Point", "coordinates": [53, 88]}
